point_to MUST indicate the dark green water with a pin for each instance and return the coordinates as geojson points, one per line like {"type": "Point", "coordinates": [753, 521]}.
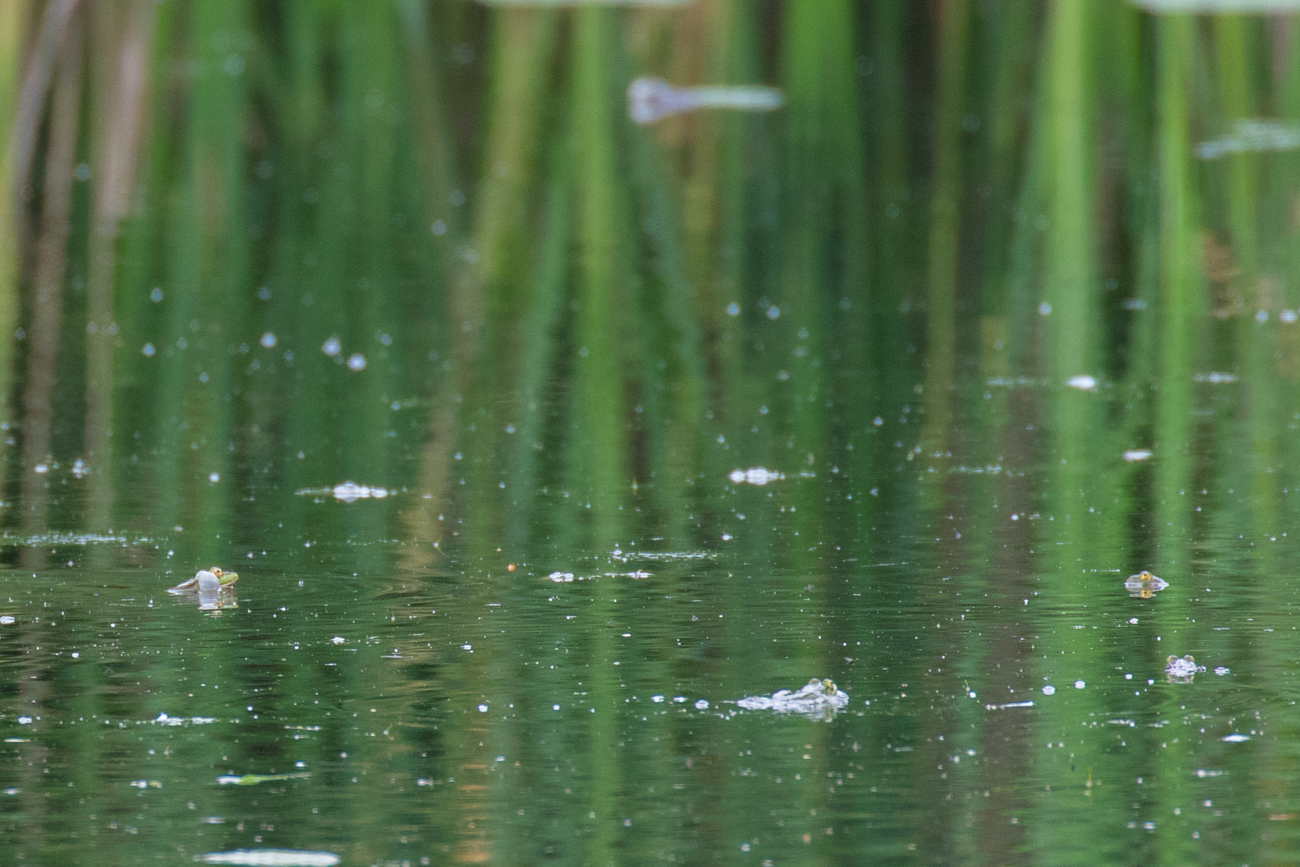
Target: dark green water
{"type": "Point", "coordinates": [974, 305]}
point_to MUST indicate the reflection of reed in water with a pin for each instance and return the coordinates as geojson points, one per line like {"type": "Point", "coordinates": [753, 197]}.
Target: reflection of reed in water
{"type": "Point", "coordinates": [47, 296]}
{"type": "Point", "coordinates": [650, 100]}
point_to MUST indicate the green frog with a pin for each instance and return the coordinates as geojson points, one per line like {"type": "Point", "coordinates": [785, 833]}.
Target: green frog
{"type": "Point", "coordinates": [206, 581]}
{"type": "Point", "coordinates": [818, 698]}
{"type": "Point", "coordinates": [1182, 670]}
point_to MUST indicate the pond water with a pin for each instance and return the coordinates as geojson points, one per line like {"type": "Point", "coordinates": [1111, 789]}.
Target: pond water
{"type": "Point", "coordinates": [754, 487]}
{"type": "Point", "coordinates": [478, 699]}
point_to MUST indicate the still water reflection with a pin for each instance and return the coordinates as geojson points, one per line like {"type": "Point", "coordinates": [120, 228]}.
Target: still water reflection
{"type": "Point", "coordinates": [996, 685]}
{"type": "Point", "coordinates": [554, 453]}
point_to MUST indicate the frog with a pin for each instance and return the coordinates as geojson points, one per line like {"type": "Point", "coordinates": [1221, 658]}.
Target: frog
{"type": "Point", "coordinates": [1181, 670]}
{"type": "Point", "coordinates": [817, 688]}
{"type": "Point", "coordinates": [206, 581]}
{"type": "Point", "coordinates": [1144, 585]}
{"type": "Point", "coordinates": [819, 697]}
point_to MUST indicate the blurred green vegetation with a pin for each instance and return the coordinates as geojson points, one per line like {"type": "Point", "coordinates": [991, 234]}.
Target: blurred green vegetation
{"type": "Point", "coordinates": [257, 247]}
{"type": "Point", "coordinates": [435, 185]}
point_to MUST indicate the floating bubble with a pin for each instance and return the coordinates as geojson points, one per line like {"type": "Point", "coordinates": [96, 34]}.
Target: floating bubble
{"type": "Point", "coordinates": [331, 346]}
{"type": "Point", "coordinates": [268, 340]}
{"type": "Point", "coordinates": [357, 361]}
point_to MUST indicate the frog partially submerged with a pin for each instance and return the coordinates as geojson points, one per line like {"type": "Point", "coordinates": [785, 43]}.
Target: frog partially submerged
{"type": "Point", "coordinates": [1144, 585]}
{"type": "Point", "coordinates": [1182, 670]}
{"type": "Point", "coordinates": [817, 698]}
{"type": "Point", "coordinates": [206, 581]}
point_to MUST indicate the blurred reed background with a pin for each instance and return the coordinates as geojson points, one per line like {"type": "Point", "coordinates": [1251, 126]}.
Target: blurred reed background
{"type": "Point", "coordinates": [204, 193]}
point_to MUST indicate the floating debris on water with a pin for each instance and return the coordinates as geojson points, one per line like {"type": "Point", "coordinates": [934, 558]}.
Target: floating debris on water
{"type": "Point", "coordinates": [1144, 585]}
{"type": "Point", "coordinates": [1252, 136]}
{"type": "Point", "coordinates": [1135, 455]}
{"type": "Point", "coordinates": [1221, 670]}
{"type": "Point", "coordinates": [255, 779]}
{"type": "Point", "coordinates": [561, 577]}
{"type": "Point", "coordinates": [347, 492]}
{"type": "Point", "coordinates": [819, 698]}
{"type": "Point", "coordinates": [623, 556]}
{"type": "Point", "coordinates": [990, 469]}
{"type": "Point", "coordinates": [41, 540]}
{"type": "Point", "coordinates": [164, 720]}
{"type": "Point", "coordinates": [1083, 382]}
{"type": "Point", "coordinates": [1214, 377]}
{"type": "Point", "coordinates": [6, 619]}
{"type": "Point", "coordinates": [755, 476]}
{"type": "Point", "coordinates": [1235, 739]}
{"type": "Point", "coordinates": [650, 100]}
{"type": "Point", "coordinates": [271, 858]}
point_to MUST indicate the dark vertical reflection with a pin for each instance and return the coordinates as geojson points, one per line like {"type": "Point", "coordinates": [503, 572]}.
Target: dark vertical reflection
{"type": "Point", "coordinates": [945, 225]}
{"type": "Point", "coordinates": [13, 18]}
{"type": "Point", "coordinates": [119, 92]}
{"type": "Point", "coordinates": [48, 287]}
